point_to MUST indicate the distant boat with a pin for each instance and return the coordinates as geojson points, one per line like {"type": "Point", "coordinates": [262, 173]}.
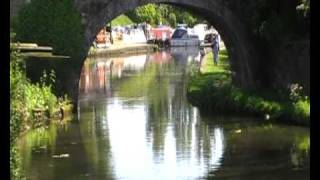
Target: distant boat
{"type": "Point", "coordinates": [200, 30]}
{"type": "Point", "coordinates": [181, 37]}
{"type": "Point", "coordinates": [103, 39]}
{"type": "Point", "coordinates": [160, 33]}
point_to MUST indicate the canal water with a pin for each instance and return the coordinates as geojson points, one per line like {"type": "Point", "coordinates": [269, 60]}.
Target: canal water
{"type": "Point", "coordinates": [134, 122]}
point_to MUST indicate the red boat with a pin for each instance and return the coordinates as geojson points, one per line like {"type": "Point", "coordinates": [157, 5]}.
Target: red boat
{"type": "Point", "coordinates": [161, 33]}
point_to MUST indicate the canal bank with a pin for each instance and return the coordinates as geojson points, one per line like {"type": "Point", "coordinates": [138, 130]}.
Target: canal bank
{"type": "Point", "coordinates": [123, 50]}
{"type": "Point", "coordinates": [32, 106]}
{"type": "Point", "coordinates": [212, 91]}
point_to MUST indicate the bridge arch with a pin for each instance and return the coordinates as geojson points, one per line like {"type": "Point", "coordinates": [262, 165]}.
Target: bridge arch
{"type": "Point", "coordinates": [234, 32]}
{"type": "Point", "coordinates": [273, 59]}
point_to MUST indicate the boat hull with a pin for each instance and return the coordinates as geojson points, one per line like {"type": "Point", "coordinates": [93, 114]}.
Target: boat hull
{"type": "Point", "coordinates": [184, 42]}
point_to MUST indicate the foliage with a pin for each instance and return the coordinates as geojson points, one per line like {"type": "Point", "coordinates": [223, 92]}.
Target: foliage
{"type": "Point", "coordinates": [304, 7]}
{"type": "Point", "coordinates": [303, 143]}
{"type": "Point", "coordinates": [278, 21]}
{"type": "Point", "coordinates": [165, 14]}
{"type": "Point", "coordinates": [51, 23]}
{"type": "Point", "coordinates": [24, 98]}
{"type": "Point", "coordinates": [17, 96]}
{"type": "Point", "coordinates": [301, 109]}
{"type": "Point", "coordinates": [172, 19]}
{"type": "Point", "coordinates": [300, 104]}
{"type": "Point", "coordinates": [12, 36]}
{"type": "Point", "coordinates": [15, 164]}
{"type": "Point", "coordinates": [40, 97]}
{"type": "Point", "coordinates": [17, 111]}
{"type": "Point", "coordinates": [185, 16]}
{"type": "Point", "coordinates": [147, 13]}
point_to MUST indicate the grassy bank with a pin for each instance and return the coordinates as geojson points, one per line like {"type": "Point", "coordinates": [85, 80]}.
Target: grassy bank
{"type": "Point", "coordinates": [212, 91]}
{"type": "Point", "coordinates": [121, 20]}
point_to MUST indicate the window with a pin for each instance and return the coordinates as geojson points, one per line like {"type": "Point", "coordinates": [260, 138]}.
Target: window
{"type": "Point", "coordinates": [179, 33]}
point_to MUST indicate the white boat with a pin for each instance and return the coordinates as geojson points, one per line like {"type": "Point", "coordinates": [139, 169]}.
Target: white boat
{"type": "Point", "coordinates": [181, 37]}
{"type": "Point", "coordinates": [200, 30]}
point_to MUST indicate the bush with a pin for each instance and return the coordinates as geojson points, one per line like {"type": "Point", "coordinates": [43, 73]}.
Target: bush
{"type": "Point", "coordinates": [25, 96]}
{"type": "Point", "coordinates": [38, 96]}
{"type": "Point", "coordinates": [51, 23]}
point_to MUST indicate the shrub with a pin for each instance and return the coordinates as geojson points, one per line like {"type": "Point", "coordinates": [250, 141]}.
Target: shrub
{"type": "Point", "coordinates": [25, 96]}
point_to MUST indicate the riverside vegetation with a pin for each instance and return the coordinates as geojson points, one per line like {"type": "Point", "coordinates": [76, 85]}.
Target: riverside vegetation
{"type": "Point", "coordinates": [212, 91]}
{"type": "Point", "coordinates": [31, 106]}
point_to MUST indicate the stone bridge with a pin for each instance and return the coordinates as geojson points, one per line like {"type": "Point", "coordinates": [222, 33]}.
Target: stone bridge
{"type": "Point", "coordinates": [257, 62]}
{"type": "Point", "coordinates": [233, 31]}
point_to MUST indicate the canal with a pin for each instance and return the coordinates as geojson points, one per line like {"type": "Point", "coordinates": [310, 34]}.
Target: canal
{"type": "Point", "coordinates": [134, 122]}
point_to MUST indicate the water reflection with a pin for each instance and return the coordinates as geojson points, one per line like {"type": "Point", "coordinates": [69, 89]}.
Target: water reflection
{"type": "Point", "coordinates": [134, 122]}
{"type": "Point", "coordinates": [264, 151]}
{"type": "Point", "coordinates": [185, 54]}
{"type": "Point", "coordinates": [153, 132]}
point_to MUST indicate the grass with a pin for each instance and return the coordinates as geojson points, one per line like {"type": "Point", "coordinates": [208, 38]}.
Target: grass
{"type": "Point", "coordinates": [223, 67]}
{"type": "Point", "coordinates": [121, 20]}
{"type": "Point", "coordinates": [212, 91]}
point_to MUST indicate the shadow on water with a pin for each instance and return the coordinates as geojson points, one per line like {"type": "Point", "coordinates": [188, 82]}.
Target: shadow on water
{"type": "Point", "coordinates": [134, 122]}
{"type": "Point", "coordinates": [256, 150]}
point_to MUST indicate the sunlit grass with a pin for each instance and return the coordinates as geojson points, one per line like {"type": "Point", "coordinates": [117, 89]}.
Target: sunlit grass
{"type": "Point", "coordinates": [212, 91]}
{"type": "Point", "coordinates": [223, 64]}
{"type": "Point", "coordinates": [121, 20]}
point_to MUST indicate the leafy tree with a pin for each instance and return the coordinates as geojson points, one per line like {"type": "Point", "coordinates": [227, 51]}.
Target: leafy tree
{"type": "Point", "coordinates": [53, 23]}
{"type": "Point", "coordinates": [166, 14]}
{"type": "Point", "coordinates": [147, 13]}
{"type": "Point", "coordinates": [172, 19]}
{"type": "Point", "coordinates": [186, 17]}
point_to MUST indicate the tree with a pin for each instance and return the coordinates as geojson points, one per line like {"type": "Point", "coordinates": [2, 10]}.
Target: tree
{"type": "Point", "coordinates": [147, 13]}
{"type": "Point", "coordinates": [172, 20]}
{"type": "Point", "coordinates": [166, 14]}
{"type": "Point", "coordinates": [53, 23]}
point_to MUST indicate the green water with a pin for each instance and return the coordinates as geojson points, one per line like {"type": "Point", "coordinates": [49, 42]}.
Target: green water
{"type": "Point", "coordinates": [134, 122]}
